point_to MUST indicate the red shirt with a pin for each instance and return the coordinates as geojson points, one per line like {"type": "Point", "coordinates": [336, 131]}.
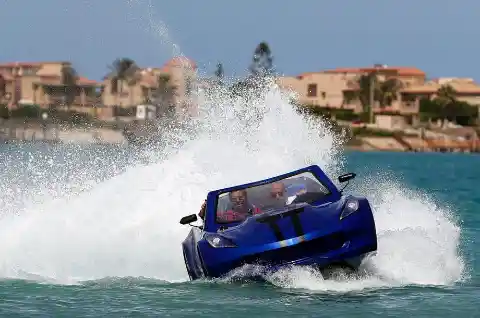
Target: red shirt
{"type": "Point", "coordinates": [234, 216]}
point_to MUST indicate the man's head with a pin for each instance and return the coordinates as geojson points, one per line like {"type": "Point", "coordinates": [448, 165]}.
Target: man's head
{"type": "Point", "coordinates": [277, 190]}
{"type": "Point", "coordinates": [238, 198]}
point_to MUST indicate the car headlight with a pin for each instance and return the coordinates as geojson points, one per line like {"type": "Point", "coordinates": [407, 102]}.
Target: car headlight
{"type": "Point", "coordinates": [350, 206]}
{"type": "Point", "coordinates": [218, 241]}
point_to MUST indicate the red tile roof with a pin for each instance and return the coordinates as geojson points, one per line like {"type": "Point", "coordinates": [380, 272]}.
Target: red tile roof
{"type": "Point", "coordinates": [28, 64]}
{"type": "Point", "coordinates": [400, 70]}
{"type": "Point", "coordinates": [23, 64]}
{"type": "Point", "coordinates": [85, 81]}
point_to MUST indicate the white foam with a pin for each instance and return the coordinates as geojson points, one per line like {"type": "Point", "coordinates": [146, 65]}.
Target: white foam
{"type": "Point", "coordinates": [418, 244]}
{"type": "Point", "coordinates": [128, 225]}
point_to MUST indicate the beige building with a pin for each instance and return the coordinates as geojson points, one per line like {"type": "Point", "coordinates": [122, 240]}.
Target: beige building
{"type": "Point", "coordinates": [182, 74]}
{"type": "Point", "coordinates": [40, 83]}
{"type": "Point", "coordinates": [331, 88]}
{"type": "Point", "coordinates": [466, 90]}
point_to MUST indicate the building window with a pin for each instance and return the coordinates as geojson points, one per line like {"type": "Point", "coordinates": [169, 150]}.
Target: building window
{"type": "Point", "coordinates": [312, 90]}
{"type": "Point", "coordinates": [28, 71]}
{"type": "Point", "coordinates": [324, 95]}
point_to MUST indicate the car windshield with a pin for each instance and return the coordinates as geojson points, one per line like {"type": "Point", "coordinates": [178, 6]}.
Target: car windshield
{"type": "Point", "coordinates": [237, 205]}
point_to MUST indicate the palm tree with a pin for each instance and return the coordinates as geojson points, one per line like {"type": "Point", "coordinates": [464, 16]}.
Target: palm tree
{"type": "Point", "coordinates": [69, 82]}
{"type": "Point", "coordinates": [363, 87]}
{"type": "Point", "coordinates": [262, 61]}
{"type": "Point", "coordinates": [219, 73]}
{"type": "Point", "coordinates": [388, 90]}
{"type": "Point", "coordinates": [164, 94]}
{"type": "Point", "coordinates": [123, 70]}
{"type": "Point", "coordinates": [446, 99]}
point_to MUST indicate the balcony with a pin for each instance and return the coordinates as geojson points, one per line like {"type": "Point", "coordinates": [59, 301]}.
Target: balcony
{"type": "Point", "coordinates": [84, 101]}
{"type": "Point", "coordinates": [400, 107]}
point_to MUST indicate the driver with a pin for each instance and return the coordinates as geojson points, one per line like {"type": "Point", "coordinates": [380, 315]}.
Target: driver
{"type": "Point", "coordinates": [277, 191]}
{"type": "Point", "coordinates": [277, 197]}
{"type": "Point", "coordinates": [281, 196]}
{"type": "Point", "coordinates": [240, 209]}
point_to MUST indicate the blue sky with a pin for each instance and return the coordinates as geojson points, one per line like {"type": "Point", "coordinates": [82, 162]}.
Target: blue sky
{"type": "Point", "coordinates": [440, 37]}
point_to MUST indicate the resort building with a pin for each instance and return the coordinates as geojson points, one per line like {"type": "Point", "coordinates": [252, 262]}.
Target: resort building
{"type": "Point", "coordinates": [46, 84]}
{"type": "Point", "coordinates": [338, 88]}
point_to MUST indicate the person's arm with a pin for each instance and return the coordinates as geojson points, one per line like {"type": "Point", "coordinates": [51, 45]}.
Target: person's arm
{"type": "Point", "coordinates": [201, 214]}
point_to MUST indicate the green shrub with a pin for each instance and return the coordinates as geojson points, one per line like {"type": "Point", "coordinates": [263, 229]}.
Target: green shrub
{"type": "Point", "coordinates": [124, 111]}
{"type": "Point", "coordinates": [462, 113]}
{"type": "Point", "coordinates": [4, 111]}
{"type": "Point", "coordinates": [26, 111]}
{"type": "Point", "coordinates": [69, 116]}
{"type": "Point", "coordinates": [328, 112]}
{"type": "Point", "coordinates": [368, 132]}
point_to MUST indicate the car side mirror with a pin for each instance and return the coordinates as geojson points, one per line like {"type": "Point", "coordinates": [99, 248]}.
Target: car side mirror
{"type": "Point", "coordinates": [188, 219]}
{"type": "Point", "coordinates": [346, 177]}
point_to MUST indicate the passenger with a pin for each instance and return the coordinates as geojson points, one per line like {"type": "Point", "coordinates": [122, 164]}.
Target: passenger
{"type": "Point", "coordinates": [240, 209]}
{"type": "Point", "coordinates": [277, 196]}
{"type": "Point", "coordinates": [278, 190]}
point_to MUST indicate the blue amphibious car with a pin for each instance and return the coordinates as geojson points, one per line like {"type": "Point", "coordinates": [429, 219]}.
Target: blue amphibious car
{"type": "Point", "coordinates": [298, 218]}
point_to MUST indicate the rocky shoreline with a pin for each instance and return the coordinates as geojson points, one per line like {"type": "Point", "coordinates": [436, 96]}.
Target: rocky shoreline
{"type": "Point", "coordinates": [413, 144]}
{"type": "Point", "coordinates": [91, 135]}
{"type": "Point", "coordinates": [57, 134]}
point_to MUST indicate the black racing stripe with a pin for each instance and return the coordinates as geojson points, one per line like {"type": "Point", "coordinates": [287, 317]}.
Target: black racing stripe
{"type": "Point", "coordinates": [297, 225]}
{"type": "Point", "coordinates": [272, 221]}
{"type": "Point", "coordinates": [276, 230]}
{"type": "Point", "coordinates": [268, 218]}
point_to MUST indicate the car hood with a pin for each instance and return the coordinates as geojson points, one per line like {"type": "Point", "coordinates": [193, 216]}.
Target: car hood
{"type": "Point", "coordinates": [287, 223]}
